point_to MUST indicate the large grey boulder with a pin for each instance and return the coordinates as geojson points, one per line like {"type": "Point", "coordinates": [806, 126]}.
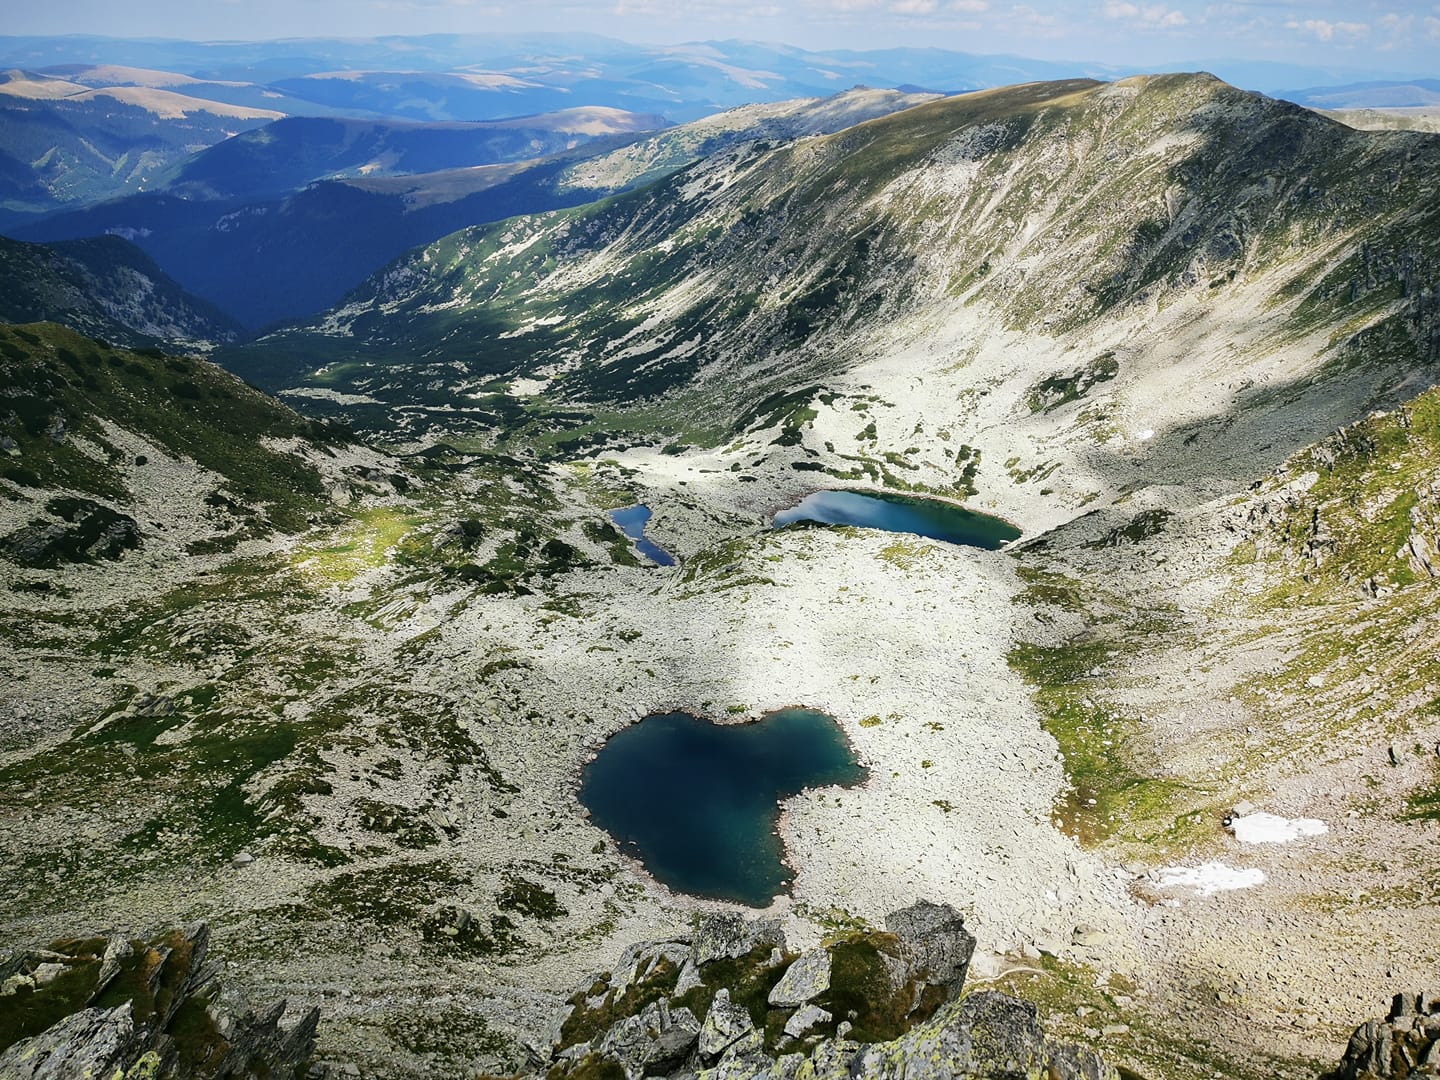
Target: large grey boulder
{"type": "Point", "coordinates": [805, 1019]}
{"type": "Point", "coordinates": [727, 936]}
{"type": "Point", "coordinates": [1405, 1044]}
{"type": "Point", "coordinates": [725, 1024]}
{"type": "Point", "coordinates": [935, 941]}
{"type": "Point", "coordinates": [804, 980]}
{"type": "Point", "coordinates": [91, 1042]}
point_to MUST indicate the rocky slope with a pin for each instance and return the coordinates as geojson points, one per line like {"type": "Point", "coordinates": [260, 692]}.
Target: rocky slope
{"type": "Point", "coordinates": [105, 287]}
{"type": "Point", "coordinates": [1166, 231]}
{"type": "Point", "coordinates": [733, 999]}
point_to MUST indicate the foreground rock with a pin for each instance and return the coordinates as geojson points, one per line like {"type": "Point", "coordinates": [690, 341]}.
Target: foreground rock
{"type": "Point", "coordinates": [732, 1001]}
{"type": "Point", "coordinates": [1405, 1044]}
{"type": "Point", "coordinates": [116, 1008]}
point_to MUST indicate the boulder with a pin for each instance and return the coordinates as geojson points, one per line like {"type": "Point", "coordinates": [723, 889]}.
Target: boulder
{"type": "Point", "coordinates": [726, 935]}
{"type": "Point", "coordinates": [653, 1042]}
{"type": "Point", "coordinates": [1405, 1044]}
{"type": "Point", "coordinates": [725, 1023]}
{"type": "Point", "coordinates": [806, 1019]}
{"type": "Point", "coordinates": [935, 941]}
{"type": "Point", "coordinates": [689, 978]}
{"type": "Point", "coordinates": [804, 980]}
{"type": "Point", "coordinates": [987, 1034]}
{"type": "Point", "coordinates": [91, 1042]}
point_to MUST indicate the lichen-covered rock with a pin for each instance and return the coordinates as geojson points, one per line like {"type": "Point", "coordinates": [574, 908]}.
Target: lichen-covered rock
{"type": "Point", "coordinates": [1405, 1044]}
{"type": "Point", "coordinates": [804, 980]}
{"type": "Point", "coordinates": [805, 1019]}
{"type": "Point", "coordinates": [140, 1011]}
{"type": "Point", "coordinates": [934, 937]}
{"type": "Point", "coordinates": [986, 1035]}
{"type": "Point", "coordinates": [654, 1042]}
{"type": "Point", "coordinates": [870, 1005]}
{"type": "Point", "coordinates": [724, 935]}
{"type": "Point", "coordinates": [92, 1042]}
{"type": "Point", "coordinates": [725, 1023]}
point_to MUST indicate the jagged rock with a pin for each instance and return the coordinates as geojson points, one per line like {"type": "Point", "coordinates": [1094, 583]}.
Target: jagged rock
{"type": "Point", "coordinates": [135, 1038]}
{"type": "Point", "coordinates": [935, 940]}
{"type": "Point", "coordinates": [90, 531]}
{"type": "Point", "coordinates": [987, 1034]}
{"type": "Point", "coordinates": [724, 935]}
{"type": "Point", "coordinates": [725, 1023]}
{"type": "Point", "coordinates": [804, 980]}
{"type": "Point", "coordinates": [919, 962]}
{"type": "Point", "coordinates": [689, 978]}
{"type": "Point", "coordinates": [91, 1042]}
{"type": "Point", "coordinates": [652, 1042]}
{"type": "Point", "coordinates": [805, 1019]}
{"type": "Point", "coordinates": [1405, 1044]}
{"type": "Point", "coordinates": [638, 961]}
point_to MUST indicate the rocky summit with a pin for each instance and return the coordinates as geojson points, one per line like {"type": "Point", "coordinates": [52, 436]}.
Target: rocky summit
{"type": "Point", "coordinates": [733, 1000]}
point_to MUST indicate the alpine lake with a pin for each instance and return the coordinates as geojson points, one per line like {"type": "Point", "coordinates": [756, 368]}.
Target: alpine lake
{"type": "Point", "coordinates": [698, 803]}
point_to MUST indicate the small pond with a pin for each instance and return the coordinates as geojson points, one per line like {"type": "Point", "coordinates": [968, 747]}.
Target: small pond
{"type": "Point", "coordinates": [932, 518]}
{"type": "Point", "coordinates": [632, 521]}
{"type": "Point", "coordinates": [698, 803]}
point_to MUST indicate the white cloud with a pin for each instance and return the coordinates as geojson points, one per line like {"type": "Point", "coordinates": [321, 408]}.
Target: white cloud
{"type": "Point", "coordinates": [1149, 15]}
{"type": "Point", "coordinates": [914, 7]}
{"type": "Point", "coordinates": [1324, 30]}
{"type": "Point", "coordinates": [974, 6]}
{"type": "Point", "coordinates": [1432, 28]}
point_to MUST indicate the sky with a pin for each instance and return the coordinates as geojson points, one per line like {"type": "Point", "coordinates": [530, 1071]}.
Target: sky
{"type": "Point", "coordinates": [1399, 36]}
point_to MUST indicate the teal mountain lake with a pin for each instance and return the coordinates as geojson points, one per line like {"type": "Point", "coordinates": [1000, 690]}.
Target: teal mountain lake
{"type": "Point", "coordinates": [886, 510]}
{"type": "Point", "coordinates": [698, 803]}
{"type": "Point", "coordinates": [632, 521]}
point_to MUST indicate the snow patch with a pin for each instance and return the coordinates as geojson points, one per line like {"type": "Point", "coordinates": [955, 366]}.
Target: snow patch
{"type": "Point", "coordinates": [1262, 828]}
{"type": "Point", "coordinates": [1209, 878]}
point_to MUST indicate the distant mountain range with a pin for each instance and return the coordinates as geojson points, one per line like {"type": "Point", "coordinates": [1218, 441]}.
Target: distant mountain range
{"type": "Point", "coordinates": [490, 76]}
{"type": "Point", "coordinates": [243, 225]}
{"type": "Point", "coordinates": [1411, 94]}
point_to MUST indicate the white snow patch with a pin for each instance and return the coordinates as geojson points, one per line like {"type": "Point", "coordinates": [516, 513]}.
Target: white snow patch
{"type": "Point", "coordinates": [323, 393]}
{"type": "Point", "coordinates": [1262, 828]}
{"type": "Point", "coordinates": [1209, 878]}
{"type": "Point", "coordinates": [527, 387]}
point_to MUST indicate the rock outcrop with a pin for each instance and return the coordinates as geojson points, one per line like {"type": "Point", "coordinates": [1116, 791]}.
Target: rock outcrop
{"type": "Point", "coordinates": [868, 1004]}
{"type": "Point", "coordinates": [127, 1010]}
{"type": "Point", "coordinates": [1404, 1044]}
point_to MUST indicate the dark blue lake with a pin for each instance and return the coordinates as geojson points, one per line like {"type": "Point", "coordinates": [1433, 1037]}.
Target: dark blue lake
{"type": "Point", "coordinates": [901, 513]}
{"type": "Point", "coordinates": [698, 803]}
{"type": "Point", "coordinates": [632, 521]}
